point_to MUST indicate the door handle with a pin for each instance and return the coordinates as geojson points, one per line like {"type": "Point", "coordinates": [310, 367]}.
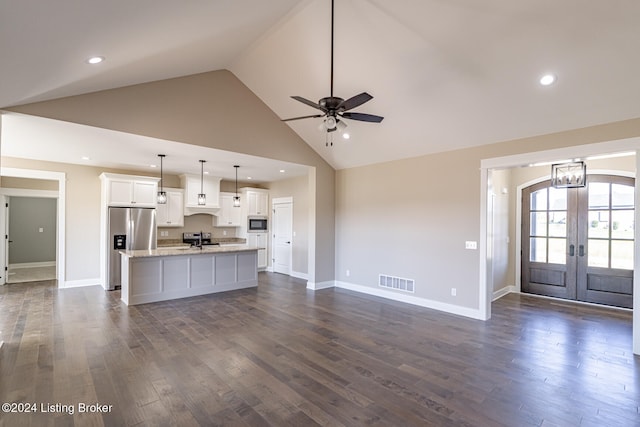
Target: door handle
{"type": "Point", "coordinates": [581, 250]}
{"type": "Point", "coordinates": [572, 250]}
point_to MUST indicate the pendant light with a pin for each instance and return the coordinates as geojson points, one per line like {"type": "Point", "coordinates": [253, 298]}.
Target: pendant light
{"type": "Point", "coordinates": [236, 199]}
{"type": "Point", "coordinates": [202, 198]}
{"type": "Point", "coordinates": [569, 175]}
{"type": "Point", "coordinates": [162, 195]}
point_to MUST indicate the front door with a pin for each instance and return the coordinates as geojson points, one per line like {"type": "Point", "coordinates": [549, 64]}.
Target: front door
{"type": "Point", "coordinates": [577, 243]}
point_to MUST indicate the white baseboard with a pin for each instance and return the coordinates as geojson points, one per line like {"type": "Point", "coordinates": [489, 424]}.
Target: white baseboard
{"type": "Point", "coordinates": [33, 264]}
{"type": "Point", "coordinates": [321, 285]}
{"type": "Point", "coordinates": [410, 299]}
{"type": "Point", "coordinates": [80, 283]}
{"type": "Point", "coordinates": [504, 291]}
{"type": "Point", "coordinates": [299, 275]}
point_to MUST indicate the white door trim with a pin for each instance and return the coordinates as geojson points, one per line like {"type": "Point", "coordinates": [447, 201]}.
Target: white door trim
{"type": "Point", "coordinates": [61, 195]}
{"type": "Point", "coordinates": [486, 165]}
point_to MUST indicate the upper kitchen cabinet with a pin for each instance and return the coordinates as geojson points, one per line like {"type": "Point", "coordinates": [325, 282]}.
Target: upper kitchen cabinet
{"type": "Point", "coordinates": [228, 215]}
{"type": "Point", "coordinates": [129, 190]}
{"type": "Point", "coordinates": [210, 187]}
{"type": "Point", "coordinates": [171, 214]}
{"type": "Point", "coordinates": [257, 201]}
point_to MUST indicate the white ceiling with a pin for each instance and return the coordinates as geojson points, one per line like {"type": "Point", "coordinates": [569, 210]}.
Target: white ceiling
{"type": "Point", "coordinates": [31, 137]}
{"type": "Point", "coordinates": [444, 74]}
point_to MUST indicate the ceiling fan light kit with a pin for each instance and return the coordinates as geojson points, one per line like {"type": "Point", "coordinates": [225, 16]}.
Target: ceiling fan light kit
{"type": "Point", "coordinates": [335, 108]}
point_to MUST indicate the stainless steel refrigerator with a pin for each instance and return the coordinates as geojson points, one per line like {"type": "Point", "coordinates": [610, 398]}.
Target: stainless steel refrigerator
{"type": "Point", "coordinates": [129, 228]}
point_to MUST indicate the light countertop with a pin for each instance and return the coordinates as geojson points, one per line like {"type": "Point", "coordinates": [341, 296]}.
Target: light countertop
{"type": "Point", "coordinates": [173, 251]}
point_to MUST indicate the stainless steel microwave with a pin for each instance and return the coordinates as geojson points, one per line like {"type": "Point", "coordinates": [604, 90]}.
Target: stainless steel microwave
{"type": "Point", "coordinates": [257, 224]}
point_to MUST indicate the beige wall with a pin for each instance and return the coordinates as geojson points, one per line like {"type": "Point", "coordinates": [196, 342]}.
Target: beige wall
{"type": "Point", "coordinates": [411, 218]}
{"type": "Point", "coordinates": [298, 189]}
{"type": "Point", "coordinates": [408, 218]}
{"type": "Point", "coordinates": [29, 183]}
{"type": "Point", "coordinates": [82, 232]}
{"type": "Point", "coordinates": [83, 211]}
{"type": "Point", "coordinates": [214, 110]}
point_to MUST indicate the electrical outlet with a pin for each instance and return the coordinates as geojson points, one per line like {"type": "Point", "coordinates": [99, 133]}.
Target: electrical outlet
{"type": "Point", "coordinates": [470, 245]}
{"type": "Point", "coordinates": [224, 232]}
{"type": "Point", "coordinates": [454, 292]}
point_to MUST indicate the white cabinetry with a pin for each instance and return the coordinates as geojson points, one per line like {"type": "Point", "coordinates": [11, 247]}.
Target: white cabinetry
{"type": "Point", "coordinates": [171, 214]}
{"type": "Point", "coordinates": [259, 240]}
{"type": "Point", "coordinates": [228, 215]}
{"type": "Point", "coordinates": [210, 187]}
{"type": "Point", "coordinates": [257, 201]}
{"type": "Point", "coordinates": [128, 190]}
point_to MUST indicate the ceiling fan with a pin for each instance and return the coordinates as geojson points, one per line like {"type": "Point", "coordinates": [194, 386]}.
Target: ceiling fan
{"type": "Point", "coordinates": [335, 108]}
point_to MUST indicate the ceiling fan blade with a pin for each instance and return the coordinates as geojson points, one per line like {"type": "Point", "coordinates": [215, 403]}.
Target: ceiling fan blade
{"type": "Point", "coordinates": [355, 101]}
{"type": "Point", "coordinates": [363, 117]}
{"type": "Point", "coordinates": [309, 103]}
{"type": "Point", "coordinates": [302, 117]}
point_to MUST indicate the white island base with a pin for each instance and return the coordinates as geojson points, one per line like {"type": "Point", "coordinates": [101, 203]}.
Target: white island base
{"type": "Point", "coordinates": [161, 275]}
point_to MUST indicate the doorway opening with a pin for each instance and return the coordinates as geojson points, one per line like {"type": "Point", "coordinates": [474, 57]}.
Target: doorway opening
{"type": "Point", "coordinates": [31, 183]}
{"type": "Point", "coordinates": [31, 238]}
{"type": "Point", "coordinates": [490, 168]}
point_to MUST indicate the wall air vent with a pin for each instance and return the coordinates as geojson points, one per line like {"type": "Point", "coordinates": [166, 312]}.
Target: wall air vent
{"type": "Point", "coordinates": [399, 283]}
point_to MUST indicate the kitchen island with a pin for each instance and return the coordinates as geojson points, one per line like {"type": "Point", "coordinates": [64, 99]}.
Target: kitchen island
{"type": "Point", "coordinates": [169, 273]}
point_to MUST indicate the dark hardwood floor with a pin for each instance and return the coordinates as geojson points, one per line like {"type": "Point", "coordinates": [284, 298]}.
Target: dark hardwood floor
{"type": "Point", "coordinates": [280, 355]}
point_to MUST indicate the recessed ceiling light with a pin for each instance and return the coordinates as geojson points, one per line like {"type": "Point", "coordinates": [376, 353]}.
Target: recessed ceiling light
{"type": "Point", "coordinates": [95, 60]}
{"type": "Point", "coordinates": [249, 177]}
{"type": "Point", "coordinates": [346, 136]}
{"type": "Point", "coordinates": [206, 173]}
{"type": "Point", "coordinates": [282, 170]}
{"type": "Point", "coordinates": [547, 79]}
{"type": "Point", "coordinates": [86, 158]}
{"type": "Point", "coordinates": [153, 166]}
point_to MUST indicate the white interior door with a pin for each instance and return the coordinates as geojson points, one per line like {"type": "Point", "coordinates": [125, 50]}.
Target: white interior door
{"type": "Point", "coordinates": [282, 235]}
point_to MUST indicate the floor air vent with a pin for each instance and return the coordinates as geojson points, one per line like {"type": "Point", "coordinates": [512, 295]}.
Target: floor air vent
{"type": "Point", "coordinates": [392, 282]}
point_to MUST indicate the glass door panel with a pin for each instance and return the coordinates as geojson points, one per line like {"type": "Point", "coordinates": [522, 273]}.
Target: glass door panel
{"type": "Point", "coordinates": [558, 251]}
{"type": "Point", "coordinates": [622, 254]}
{"type": "Point", "coordinates": [598, 253]}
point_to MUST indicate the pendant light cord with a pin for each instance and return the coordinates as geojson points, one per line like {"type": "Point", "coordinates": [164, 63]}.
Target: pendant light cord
{"type": "Point", "coordinates": [161, 173]}
{"type": "Point", "coordinates": [201, 176]}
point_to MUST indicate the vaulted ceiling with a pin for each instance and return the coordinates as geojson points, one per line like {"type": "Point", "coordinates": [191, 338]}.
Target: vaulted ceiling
{"type": "Point", "coordinates": [445, 74]}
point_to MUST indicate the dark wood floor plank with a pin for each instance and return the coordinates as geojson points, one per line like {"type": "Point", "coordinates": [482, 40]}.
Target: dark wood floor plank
{"type": "Point", "coordinates": [281, 355]}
